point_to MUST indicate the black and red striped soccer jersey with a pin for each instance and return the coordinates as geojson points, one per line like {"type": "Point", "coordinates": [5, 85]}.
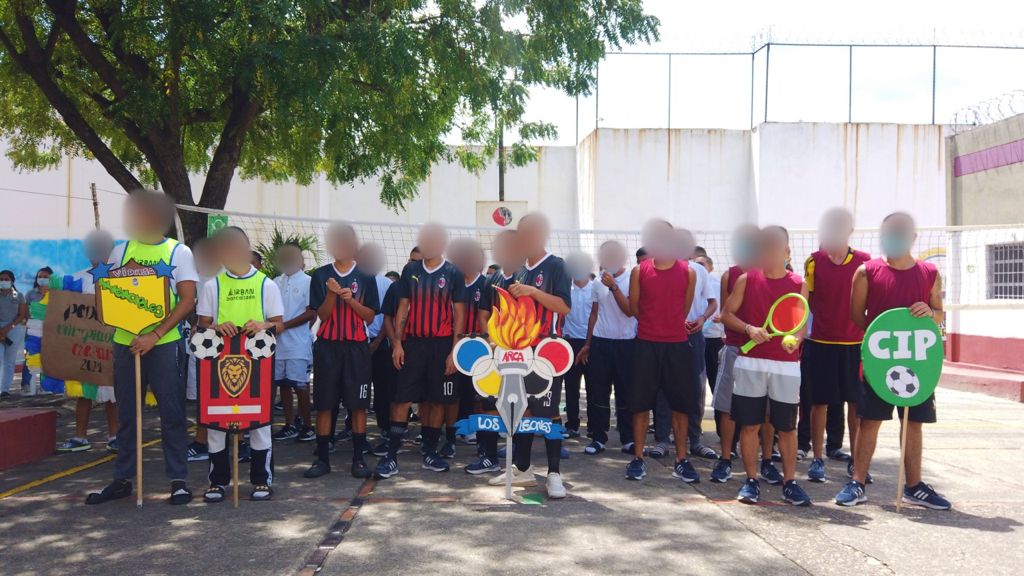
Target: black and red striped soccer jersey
{"type": "Point", "coordinates": [488, 297]}
{"type": "Point", "coordinates": [473, 295]}
{"type": "Point", "coordinates": [549, 275]}
{"type": "Point", "coordinates": [432, 295]}
{"type": "Point", "coordinates": [343, 323]}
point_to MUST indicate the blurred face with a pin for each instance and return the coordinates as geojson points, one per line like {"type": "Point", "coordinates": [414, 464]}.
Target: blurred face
{"type": "Point", "coordinates": [580, 266]}
{"type": "Point", "coordinates": [289, 259]}
{"type": "Point", "coordinates": [703, 261]}
{"type": "Point", "coordinates": [371, 259]}
{"type": "Point", "coordinates": [745, 246]}
{"type": "Point", "coordinates": [507, 252]}
{"type": "Point", "coordinates": [432, 240]}
{"type": "Point", "coordinates": [207, 261]}
{"type": "Point", "coordinates": [612, 257]}
{"type": "Point", "coordinates": [684, 244]}
{"type": "Point", "coordinates": [835, 230]}
{"type": "Point", "coordinates": [774, 249]}
{"type": "Point", "coordinates": [342, 242]}
{"type": "Point", "coordinates": [659, 240]}
{"type": "Point", "coordinates": [98, 247]}
{"type": "Point", "coordinates": [897, 235]}
{"type": "Point", "coordinates": [533, 234]}
{"type": "Point", "coordinates": [233, 250]}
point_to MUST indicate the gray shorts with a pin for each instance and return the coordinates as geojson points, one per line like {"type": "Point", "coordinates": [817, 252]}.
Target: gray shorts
{"type": "Point", "coordinates": [722, 401]}
{"type": "Point", "coordinates": [295, 371]}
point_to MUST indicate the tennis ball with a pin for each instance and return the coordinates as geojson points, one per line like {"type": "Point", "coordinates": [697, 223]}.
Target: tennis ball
{"type": "Point", "coordinates": [790, 341]}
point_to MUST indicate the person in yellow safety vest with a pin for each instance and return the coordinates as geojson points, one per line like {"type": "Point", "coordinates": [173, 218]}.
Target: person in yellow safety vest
{"type": "Point", "coordinates": [240, 299]}
{"type": "Point", "coordinates": [147, 217]}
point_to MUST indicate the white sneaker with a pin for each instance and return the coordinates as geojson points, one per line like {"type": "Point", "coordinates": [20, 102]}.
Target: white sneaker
{"type": "Point", "coordinates": [555, 487]}
{"type": "Point", "coordinates": [523, 479]}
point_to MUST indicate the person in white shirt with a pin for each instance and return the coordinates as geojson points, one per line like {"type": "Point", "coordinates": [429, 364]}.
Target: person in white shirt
{"type": "Point", "coordinates": [580, 267]}
{"type": "Point", "coordinates": [608, 352]}
{"type": "Point", "coordinates": [714, 334]}
{"type": "Point", "coordinates": [294, 358]}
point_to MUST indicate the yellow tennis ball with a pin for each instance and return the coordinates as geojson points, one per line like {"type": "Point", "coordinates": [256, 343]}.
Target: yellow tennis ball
{"type": "Point", "coordinates": [790, 341]}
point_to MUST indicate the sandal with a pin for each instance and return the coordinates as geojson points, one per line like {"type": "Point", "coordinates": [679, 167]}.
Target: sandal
{"type": "Point", "coordinates": [214, 494]}
{"type": "Point", "coordinates": [261, 492]}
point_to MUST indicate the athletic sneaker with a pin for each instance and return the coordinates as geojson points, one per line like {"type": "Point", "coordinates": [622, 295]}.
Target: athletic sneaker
{"type": "Point", "coordinates": [386, 467]}
{"type": "Point", "coordinates": [434, 463]}
{"type": "Point", "coordinates": [343, 435]}
{"type": "Point", "coordinates": [317, 469]}
{"type": "Point", "coordinates": [470, 439]}
{"type": "Point", "coordinates": [776, 455]}
{"type": "Point", "coordinates": [555, 488]}
{"type": "Point", "coordinates": [564, 453]}
{"type": "Point", "coordinates": [482, 465]}
{"type": "Point", "coordinates": [925, 495]}
{"type": "Point", "coordinates": [447, 451]}
{"type": "Point", "coordinates": [502, 451]}
{"type": "Point", "coordinates": [381, 449]}
{"type": "Point", "coordinates": [851, 494]}
{"type": "Point", "coordinates": [594, 447]}
{"type": "Point", "coordinates": [839, 455]}
{"type": "Point", "coordinates": [704, 452]}
{"type": "Point", "coordinates": [636, 469]}
{"type": "Point", "coordinates": [306, 434]}
{"type": "Point", "coordinates": [198, 451]}
{"type": "Point", "coordinates": [523, 479]}
{"type": "Point", "coordinates": [750, 492]}
{"type": "Point", "coordinates": [686, 472]}
{"type": "Point", "coordinates": [658, 451]}
{"type": "Point", "coordinates": [360, 469]}
{"type": "Point", "coordinates": [112, 445]}
{"type": "Point", "coordinates": [816, 471]}
{"type": "Point", "coordinates": [573, 432]}
{"type": "Point", "coordinates": [418, 439]}
{"type": "Point", "coordinates": [795, 495]}
{"type": "Point", "coordinates": [287, 432]}
{"type": "Point", "coordinates": [769, 473]}
{"type": "Point", "coordinates": [849, 473]}
{"type": "Point", "coordinates": [801, 455]}
{"type": "Point", "coordinates": [627, 448]}
{"type": "Point", "coordinates": [722, 472]}
{"type": "Point", "coordinates": [244, 452]}
{"type": "Point", "coordinates": [74, 445]}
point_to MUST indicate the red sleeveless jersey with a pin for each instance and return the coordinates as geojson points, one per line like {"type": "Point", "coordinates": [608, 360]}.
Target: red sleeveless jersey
{"type": "Point", "coordinates": [662, 311]}
{"type": "Point", "coordinates": [890, 288]}
{"type": "Point", "coordinates": [758, 296]}
{"type": "Point", "coordinates": [732, 337]}
{"type": "Point", "coordinates": [830, 286]}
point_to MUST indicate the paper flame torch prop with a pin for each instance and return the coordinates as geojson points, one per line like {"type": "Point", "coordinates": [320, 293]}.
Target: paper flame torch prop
{"type": "Point", "coordinates": [516, 368]}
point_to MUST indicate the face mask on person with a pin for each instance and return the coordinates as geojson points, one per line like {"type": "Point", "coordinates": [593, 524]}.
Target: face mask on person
{"type": "Point", "coordinates": [895, 245]}
{"type": "Point", "coordinates": [6, 284]}
{"type": "Point", "coordinates": [43, 281]}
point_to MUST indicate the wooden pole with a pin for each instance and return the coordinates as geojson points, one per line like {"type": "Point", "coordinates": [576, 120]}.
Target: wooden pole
{"type": "Point", "coordinates": [138, 430]}
{"type": "Point", "coordinates": [234, 466]}
{"type": "Point", "coordinates": [903, 452]}
{"type": "Point", "coordinates": [95, 205]}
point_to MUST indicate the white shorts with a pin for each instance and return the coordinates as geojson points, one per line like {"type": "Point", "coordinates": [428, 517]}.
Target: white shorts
{"type": "Point", "coordinates": [760, 377]}
{"type": "Point", "coordinates": [722, 400]}
{"type": "Point", "coordinates": [295, 371]}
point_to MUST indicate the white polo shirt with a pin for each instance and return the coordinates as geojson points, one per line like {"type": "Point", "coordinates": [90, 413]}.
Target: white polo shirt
{"type": "Point", "coordinates": [714, 329]}
{"type": "Point", "coordinates": [701, 293]}
{"type": "Point", "coordinates": [295, 343]}
{"type": "Point", "coordinates": [611, 322]}
{"type": "Point", "coordinates": [578, 318]}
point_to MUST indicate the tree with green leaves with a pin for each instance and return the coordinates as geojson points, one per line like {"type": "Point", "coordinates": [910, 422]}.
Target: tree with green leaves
{"type": "Point", "coordinates": [158, 90]}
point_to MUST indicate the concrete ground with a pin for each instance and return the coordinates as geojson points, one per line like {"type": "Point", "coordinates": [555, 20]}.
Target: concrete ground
{"type": "Point", "coordinates": [425, 523]}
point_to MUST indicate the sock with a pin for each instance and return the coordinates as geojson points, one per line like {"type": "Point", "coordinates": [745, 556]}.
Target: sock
{"type": "Point", "coordinates": [522, 445]}
{"type": "Point", "coordinates": [334, 420]}
{"type": "Point", "coordinates": [554, 450]}
{"type": "Point", "coordinates": [449, 434]}
{"type": "Point", "coordinates": [430, 438]}
{"type": "Point", "coordinates": [358, 443]}
{"type": "Point", "coordinates": [489, 441]}
{"type": "Point", "coordinates": [323, 448]}
{"type": "Point", "coordinates": [395, 435]}
{"type": "Point", "coordinates": [220, 468]}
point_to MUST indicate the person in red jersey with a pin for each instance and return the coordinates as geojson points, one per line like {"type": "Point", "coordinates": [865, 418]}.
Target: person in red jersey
{"type": "Point", "coordinates": [430, 319]}
{"type": "Point", "coordinates": [662, 360]}
{"type": "Point", "coordinates": [767, 387]}
{"type": "Point", "coordinates": [898, 280]}
{"type": "Point", "coordinates": [468, 256]}
{"type": "Point", "coordinates": [830, 361]}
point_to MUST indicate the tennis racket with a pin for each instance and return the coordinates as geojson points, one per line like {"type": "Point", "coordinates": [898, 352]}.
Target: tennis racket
{"type": "Point", "coordinates": [786, 316]}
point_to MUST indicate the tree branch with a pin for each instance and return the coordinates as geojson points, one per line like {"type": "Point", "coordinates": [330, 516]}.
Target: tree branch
{"type": "Point", "coordinates": [244, 111]}
{"type": "Point", "coordinates": [64, 13]}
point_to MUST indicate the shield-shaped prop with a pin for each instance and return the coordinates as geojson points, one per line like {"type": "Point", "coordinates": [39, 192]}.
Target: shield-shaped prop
{"type": "Point", "coordinates": [234, 378]}
{"type": "Point", "coordinates": [132, 297]}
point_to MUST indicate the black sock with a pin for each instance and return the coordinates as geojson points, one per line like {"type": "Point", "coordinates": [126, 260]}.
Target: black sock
{"type": "Point", "coordinates": [554, 450]}
{"type": "Point", "coordinates": [358, 442]}
{"type": "Point", "coordinates": [430, 439]}
{"type": "Point", "coordinates": [334, 421]}
{"type": "Point", "coordinates": [522, 445]}
{"type": "Point", "coordinates": [489, 441]}
{"type": "Point", "coordinates": [449, 434]}
{"type": "Point", "coordinates": [323, 448]}
{"type": "Point", "coordinates": [395, 435]}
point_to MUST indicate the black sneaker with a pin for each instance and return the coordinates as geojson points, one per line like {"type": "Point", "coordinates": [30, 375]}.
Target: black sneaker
{"type": "Point", "coordinates": [244, 452]}
{"type": "Point", "coordinates": [317, 469]}
{"type": "Point", "coordinates": [115, 490]}
{"type": "Point", "coordinates": [198, 451]}
{"type": "Point", "coordinates": [287, 432]}
{"type": "Point", "coordinates": [180, 494]}
{"type": "Point", "coordinates": [343, 435]}
{"type": "Point", "coordinates": [306, 434]}
{"type": "Point", "coordinates": [359, 470]}
{"type": "Point", "coordinates": [381, 449]}
{"type": "Point", "coordinates": [840, 455]}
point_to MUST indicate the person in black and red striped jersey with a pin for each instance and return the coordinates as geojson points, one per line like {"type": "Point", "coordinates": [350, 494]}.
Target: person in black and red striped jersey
{"type": "Point", "coordinates": [468, 256]}
{"type": "Point", "coordinates": [430, 318]}
{"type": "Point", "coordinates": [345, 299]}
{"type": "Point", "coordinates": [543, 278]}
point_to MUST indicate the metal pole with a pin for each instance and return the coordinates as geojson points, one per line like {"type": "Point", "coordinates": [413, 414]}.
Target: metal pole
{"type": "Point", "coordinates": [849, 89]}
{"type": "Point", "coordinates": [669, 125]}
{"type": "Point", "coordinates": [935, 51]}
{"type": "Point", "coordinates": [597, 96]}
{"type": "Point", "coordinates": [501, 162]}
{"type": "Point", "coordinates": [767, 63]}
{"type": "Point", "coordinates": [753, 56]}
{"type": "Point", "coordinates": [577, 141]}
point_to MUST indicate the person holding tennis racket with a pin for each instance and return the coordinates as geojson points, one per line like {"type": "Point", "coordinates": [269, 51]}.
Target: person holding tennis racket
{"type": "Point", "coordinates": [768, 305]}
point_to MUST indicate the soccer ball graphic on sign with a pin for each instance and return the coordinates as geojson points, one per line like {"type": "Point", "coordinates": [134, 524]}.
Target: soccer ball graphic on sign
{"type": "Point", "coordinates": [261, 345]}
{"type": "Point", "coordinates": [205, 344]}
{"type": "Point", "coordinates": [902, 381]}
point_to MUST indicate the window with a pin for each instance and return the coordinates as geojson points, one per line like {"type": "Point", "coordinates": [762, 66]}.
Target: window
{"type": "Point", "coordinates": [1006, 271]}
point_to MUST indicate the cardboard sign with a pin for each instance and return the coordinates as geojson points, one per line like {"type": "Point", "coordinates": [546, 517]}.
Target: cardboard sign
{"type": "Point", "coordinates": [75, 344]}
{"type": "Point", "coordinates": [235, 379]}
{"type": "Point", "coordinates": [902, 357]}
{"type": "Point", "coordinates": [132, 297]}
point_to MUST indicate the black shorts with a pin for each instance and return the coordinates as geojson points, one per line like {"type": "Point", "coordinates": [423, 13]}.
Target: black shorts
{"type": "Point", "coordinates": [666, 366]}
{"type": "Point", "coordinates": [341, 371]}
{"type": "Point", "coordinates": [422, 377]}
{"type": "Point", "coordinates": [549, 405]}
{"type": "Point", "coordinates": [871, 407]}
{"type": "Point", "coordinates": [831, 372]}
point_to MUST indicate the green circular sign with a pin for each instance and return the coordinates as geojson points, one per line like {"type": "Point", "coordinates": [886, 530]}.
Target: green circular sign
{"type": "Point", "coordinates": [902, 357]}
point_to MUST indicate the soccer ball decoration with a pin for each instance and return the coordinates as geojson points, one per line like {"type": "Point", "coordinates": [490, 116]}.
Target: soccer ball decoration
{"type": "Point", "coordinates": [205, 343]}
{"type": "Point", "coordinates": [262, 344]}
{"type": "Point", "coordinates": [902, 381]}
